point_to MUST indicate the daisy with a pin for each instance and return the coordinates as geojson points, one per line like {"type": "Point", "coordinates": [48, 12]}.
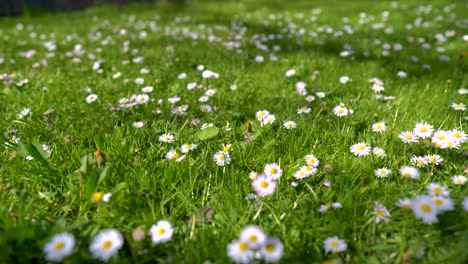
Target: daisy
{"type": "Point", "coordinates": [459, 179]}
{"type": "Point", "coordinates": [382, 172]}
{"type": "Point", "coordinates": [290, 73]}
{"type": "Point", "coordinates": [344, 79]}
{"type": "Point", "coordinates": [320, 94]}
{"type": "Point", "coordinates": [434, 159]}
{"type": "Point", "coordinates": [360, 149]}
{"type": "Point", "coordinates": [379, 152]}
{"type": "Point", "coordinates": [91, 98]}
{"type": "Point", "coordinates": [425, 209]}
{"type": "Point", "coordinates": [142, 99]}
{"type": "Point", "coordinates": [324, 207]}
{"type": "Point", "coordinates": [402, 74]}
{"type": "Point", "coordinates": [309, 98]}
{"type": "Point", "coordinates": [311, 160]}
{"type": "Point", "coordinates": [379, 127]}
{"type": "Point", "coordinates": [419, 161]}
{"type": "Point", "coordinates": [409, 172]}
{"type": "Point", "coordinates": [188, 147]}
{"type": "Point", "coordinates": [334, 244]}
{"type": "Point", "coordinates": [404, 203]}
{"type": "Point", "coordinates": [207, 74]}
{"type": "Point", "coordinates": [139, 81]}
{"type": "Point", "coordinates": [239, 252]}
{"type": "Point", "coordinates": [381, 213]}
{"type": "Point", "coordinates": [304, 110]}
{"type": "Point", "coordinates": [203, 99]}
{"type": "Point", "coordinates": [166, 138]}
{"type": "Point", "coordinates": [378, 87]}
{"type": "Point", "coordinates": [106, 197]}
{"type": "Point", "coordinates": [173, 155]}
{"type": "Point", "coordinates": [264, 185]}
{"type": "Point", "coordinates": [340, 110]}
{"type": "Point", "coordinates": [408, 137]}
{"type": "Point", "coordinates": [443, 203]}
{"type": "Point", "coordinates": [270, 119]}
{"type": "Point", "coordinates": [191, 86]}
{"type": "Point", "coordinates": [262, 114]}
{"type": "Point", "coordinates": [173, 100]}
{"type": "Point", "coordinates": [182, 76]}
{"type": "Point", "coordinates": [161, 232]}
{"type": "Point", "coordinates": [308, 170]}
{"type": "Point", "coordinates": [138, 124]}
{"type": "Point", "coordinates": [60, 246]}
{"type": "Point", "coordinates": [423, 130]}
{"type": "Point", "coordinates": [222, 158]}
{"type": "Point", "coordinates": [440, 136]}
{"type": "Point", "coordinates": [289, 125]}
{"type": "Point", "coordinates": [106, 244]}
{"type": "Point", "coordinates": [226, 147]}
{"type": "Point", "coordinates": [458, 106]}
{"type": "Point", "coordinates": [272, 250]}
{"type": "Point", "coordinates": [147, 89]}
{"type": "Point", "coordinates": [436, 189]}
{"type": "Point", "coordinates": [273, 170]}
{"type": "Point", "coordinates": [459, 135]}
{"type": "Point", "coordinates": [451, 142]}
{"type": "Point", "coordinates": [210, 92]}
{"type": "Point", "coordinates": [300, 174]}
{"type": "Point", "coordinates": [253, 235]}
{"type": "Point", "coordinates": [25, 112]}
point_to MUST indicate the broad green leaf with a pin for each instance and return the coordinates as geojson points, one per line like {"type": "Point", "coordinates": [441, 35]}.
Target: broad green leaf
{"type": "Point", "coordinates": [208, 133]}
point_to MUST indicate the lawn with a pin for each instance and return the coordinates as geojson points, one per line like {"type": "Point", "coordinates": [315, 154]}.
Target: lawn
{"type": "Point", "coordinates": [235, 131]}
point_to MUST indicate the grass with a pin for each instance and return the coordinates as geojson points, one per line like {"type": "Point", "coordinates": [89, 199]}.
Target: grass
{"type": "Point", "coordinates": [207, 203]}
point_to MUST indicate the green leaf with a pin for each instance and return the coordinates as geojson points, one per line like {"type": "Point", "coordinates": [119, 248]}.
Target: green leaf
{"type": "Point", "coordinates": [99, 141]}
{"type": "Point", "coordinates": [91, 184]}
{"type": "Point", "coordinates": [103, 174]}
{"type": "Point", "coordinates": [119, 187]}
{"type": "Point", "coordinates": [208, 133]}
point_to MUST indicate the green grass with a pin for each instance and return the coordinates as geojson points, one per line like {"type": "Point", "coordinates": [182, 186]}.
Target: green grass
{"type": "Point", "coordinates": [206, 203]}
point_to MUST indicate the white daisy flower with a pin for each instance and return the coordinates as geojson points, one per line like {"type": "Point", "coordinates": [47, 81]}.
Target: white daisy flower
{"type": "Point", "coordinates": [434, 159]}
{"type": "Point", "coordinates": [404, 203]}
{"type": "Point", "coordinates": [379, 152]}
{"type": "Point", "coordinates": [379, 127]}
{"type": "Point", "coordinates": [161, 232]}
{"type": "Point", "coordinates": [264, 185]}
{"type": "Point", "coordinates": [142, 99]}
{"type": "Point", "coordinates": [188, 147]}
{"type": "Point", "coordinates": [174, 155]}
{"type": "Point", "coordinates": [443, 203]}
{"type": "Point", "coordinates": [436, 189]}
{"type": "Point", "coordinates": [166, 138]}
{"type": "Point", "coordinates": [253, 235]}
{"type": "Point", "coordinates": [60, 246]}
{"type": "Point", "coordinates": [408, 137]}
{"type": "Point", "coordinates": [311, 160]}
{"type": "Point", "coordinates": [289, 125]}
{"type": "Point", "coordinates": [290, 73]}
{"type": "Point", "coordinates": [381, 213]}
{"type": "Point", "coordinates": [273, 170]}
{"type": "Point", "coordinates": [458, 179]}
{"type": "Point", "coordinates": [382, 172]}
{"type": "Point", "coordinates": [91, 98]}
{"type": "Point", "coordinates": [410, 172]}
{"type": "Point", "coordinates": [423, 130]}
{"type": "Point", "coordinates": [239, 252]}
{"type": "Point", "coordinates": [222, 158]}
{"type": "Point", "coordinates": [334, 244]}
{"type": "Point", "coordinates": [419, 161]}
{"type": "Point", "coordinates": [360, 149]}
{"type": "Point", "coordinates": [138, 124]}
{"type": "Point", "coordinates": [272, 250]}
{"type": "Point", "coordinates": [147, 89]}
{"type": "Point", "coordinates": [425, 209]}
{"type": "Point", "coordinates": [106, 244]}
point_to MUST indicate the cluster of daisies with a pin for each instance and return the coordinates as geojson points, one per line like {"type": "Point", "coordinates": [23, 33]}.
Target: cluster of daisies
{"type": "Point", "coordinates": [442, 139]}
{"type": "Point", "coordinates": [253, 244]}
{"type": "Point", "coordinates": [105, 244]}
{"type": "Point", "coordinates": [264, 184]}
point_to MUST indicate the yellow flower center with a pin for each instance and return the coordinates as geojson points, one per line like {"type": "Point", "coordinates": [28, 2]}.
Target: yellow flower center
{"type": "Point", "coordinates": [175, 156]}
{"type": "Point", "coordinates": [407, 175]}
{"type": "Point", "coordinates": [340, 111]}
{"type": "Point", "coordinates": [59, 245]}
{"type": "Point", "coordinates": [437, 190]}
{"type": "Point", "coordinates": [273, 171]}
{"type": "Point", "coordinates": [406, 206]}
{"type": "Point", "coordinates": [457, 135]}
{"type": "Point", "coordinates": [458, 181]}
{"type": "Point", "coordinates": [432, 159]}
{"type": "Point", "coordinates": [253, 238]}
{"type": "Point", "coordinates": [311, 161]}
{"type": "Point", "coordinates": [441, 137]}
{"type": "Point", "coordinates": [243, 246]}
{"type": "Point", "coordinates": [161, 231]}
{"type": "Point", "coordinates": [264, 184]}
{"type": "Point", "coordinates": [270, 248]}
{"type": "Point", "coordinates": [97, 196]}
{"type": "Point", "coordinates": [426, 208]}
{"type": "Point", "coordinates": [380, 213]}
{"type": "Point", "coordinates": [383, 172]}
{"type": "Point", "coordinates": [408, 137]}
{"type": "Point", "coordinates": [360, 147]}
{"type": "Point", "coordinates": [334, 244]}
{"type": "Point", "coordinates": [423, 129]}
{"type": "Point", "coordinates": [221, 157]}
{"type": "Point", "coordinates": [106, 244]}
{"type": "Point", "coordinates": [439, 202]}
